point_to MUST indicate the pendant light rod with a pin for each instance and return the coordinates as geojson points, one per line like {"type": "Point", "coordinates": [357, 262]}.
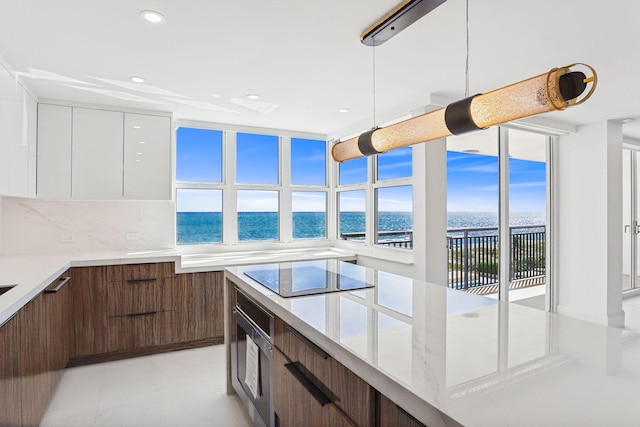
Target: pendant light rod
{"type": "Point", "coordinates": [403, 15]}
{"type": "Point", "coordinates": [558, 89]}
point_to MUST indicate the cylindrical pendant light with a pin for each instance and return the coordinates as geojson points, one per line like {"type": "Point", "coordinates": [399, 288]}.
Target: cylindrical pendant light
{"type": "Point", "coordinates": [556, 90]}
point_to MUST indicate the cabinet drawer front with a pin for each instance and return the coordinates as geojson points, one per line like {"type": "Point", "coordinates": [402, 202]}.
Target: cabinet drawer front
{"type": "Point", "coordinates": [354, 396]}
{"type": "Point", "coordinates": [294, 403]}
{"type": "Point", "coordinates": [139, 331]}
{"type": "Point", "coordinates": [159, 270]}
{"type": "Point", "coordinates": [140, 296]}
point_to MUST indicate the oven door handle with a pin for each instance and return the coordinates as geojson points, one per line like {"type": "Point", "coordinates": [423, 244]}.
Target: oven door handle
{"type": "Point", "coordinates": [254, 333]}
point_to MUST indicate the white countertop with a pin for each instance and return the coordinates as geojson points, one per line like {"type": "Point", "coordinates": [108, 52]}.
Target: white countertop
{"type": "Point", "coordinates": [480, 361]}
{"type": "Point", "coordinates": [33, 273]}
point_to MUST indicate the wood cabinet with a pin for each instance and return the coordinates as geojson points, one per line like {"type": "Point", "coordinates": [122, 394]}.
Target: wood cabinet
{"type": "Point", "coordinates": [128, 310]}
{"type": "Point", "coordinates": [33, 351]}
{"type": "Point", "coordinates": [92, 153]}
{"type": "Point", "coordinates": [9, 392]}
{"type": "Point", "coordinates": [200, 306]}
{"type": "Point", "coordinates": [352, 397]}
{"type": "Point", "coordinates": [300, 400]}
{"type": "Point", "coordinates": [391, 414]}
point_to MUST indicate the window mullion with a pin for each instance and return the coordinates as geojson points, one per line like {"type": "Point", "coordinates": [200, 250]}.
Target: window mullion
{"type": "Point", "coordinates": [229, 195]}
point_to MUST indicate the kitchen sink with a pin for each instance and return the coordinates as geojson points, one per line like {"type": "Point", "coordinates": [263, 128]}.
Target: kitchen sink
{"type": "Point", "coordinates": [6, 288]}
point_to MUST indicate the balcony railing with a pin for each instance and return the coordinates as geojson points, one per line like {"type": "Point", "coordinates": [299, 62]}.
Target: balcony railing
{"type": "Point", "coordinates": [473, 253]}
{"type": "Point", "coordinates": [397, 239]}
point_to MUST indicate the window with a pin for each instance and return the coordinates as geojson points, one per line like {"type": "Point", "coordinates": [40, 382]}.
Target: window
{"type": "Point", "coordinates": [257, 215]}
{"type": "Point", "coordinates": [353, 171]}
{"type": "Point", "coordinates": [198, 216]}
{"type": "Point", "coordinates": [390, 186]}
{"type": "Point", "coordinates": [198, 155]}
{"type": "Point", "coordinates": [241, 203]}
{"type": "Point", "coordinates": [352, 218]}
{"type": "Point", "coordinates": [394, 164]}
{"type": "Point", "coordinates": [257, 159]}
{"type": "Point", "coordinates": [308, 162]}
{"type": "Point", "coordinates": [394, 216]}
{"type": "Point", "coordinates": [309, 211]}
{"type": "Point", "coordinates": [490, 246]}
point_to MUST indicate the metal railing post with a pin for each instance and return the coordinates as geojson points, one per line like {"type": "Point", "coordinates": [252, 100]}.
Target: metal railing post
{"type": "Point", "coordinates": [465, 251]}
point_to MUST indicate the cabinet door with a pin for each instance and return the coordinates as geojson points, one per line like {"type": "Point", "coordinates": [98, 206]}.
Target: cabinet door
{"type": "Point", "coordinates": [200, 306]}
{"type": "Point", "coordinates": [147, 157]}
{"type": "Point", "coordinates": [353, 395]}
{"type": "Point", "coordinates": [89, 294]}
{"type": "Point", "coordinates": [22, 146]}
{"type": "Point", "coordinates": [392, 415]}
{"type": "Point", "coordinates": [33, 364]}
{"type": "Point", "coordinates": [9, 391]}
{"type": "Point", "coordinates": [59, 326]}
{"type": "Point", "coordinates": [97, 152]}
{"type": "Point", "coordinates": [298, 401]}
{"type": "Point", "coordinates": [54, 151]}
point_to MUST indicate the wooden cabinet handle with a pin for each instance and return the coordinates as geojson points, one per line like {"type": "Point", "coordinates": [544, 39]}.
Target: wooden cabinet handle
{"type": "Point", "coordinates": [62, 282]}
{"type": "Point", "coordinates": [307, 384]}
{"type": "Point", "coordinates": [310, 344]}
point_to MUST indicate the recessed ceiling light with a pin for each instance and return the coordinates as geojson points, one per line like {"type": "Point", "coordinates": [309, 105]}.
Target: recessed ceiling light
{"type": "Point", "coordinates": [140, 142]}
{"type": "Point", "coordinates": [139, 153]}
{"type": "Point", "coordinates": [137, 127]}
{"type": "Point", "coordinates": [627, 120]}
{"type": "Point", "coordinates": [137, 79]}
{"type": "Point", "coordinates": [152, 16]}
{"type": "Point", "coordinates": [344, 110]}
{"type": "Point", "coordinates": [253, 96]}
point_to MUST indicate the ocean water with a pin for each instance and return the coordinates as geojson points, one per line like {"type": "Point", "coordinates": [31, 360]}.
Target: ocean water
{"type": "Point", "coordinates": [206, 227]}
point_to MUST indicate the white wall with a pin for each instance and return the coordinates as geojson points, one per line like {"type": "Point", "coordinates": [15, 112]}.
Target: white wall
{"type": "Point", "coordinates": [589, 224]}
{"type": "Point", "coordinates": [34, 226]}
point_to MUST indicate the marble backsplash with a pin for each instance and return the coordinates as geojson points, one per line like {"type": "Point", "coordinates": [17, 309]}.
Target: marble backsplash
{"type": "Point", "coordinates": [34, 226]}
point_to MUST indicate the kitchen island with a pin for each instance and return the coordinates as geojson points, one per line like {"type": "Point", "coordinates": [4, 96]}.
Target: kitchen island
{"type": "Point", "coordinates": [448, 357]}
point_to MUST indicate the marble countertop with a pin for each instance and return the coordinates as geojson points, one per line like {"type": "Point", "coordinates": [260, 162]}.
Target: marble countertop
{"type": "Point", "coordinates": [33, 273]}
{"type": "Point", "coordinates": [480, 361]}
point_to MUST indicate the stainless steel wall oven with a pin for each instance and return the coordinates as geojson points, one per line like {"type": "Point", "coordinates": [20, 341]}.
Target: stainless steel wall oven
{"type": "Point", "coordinates": [251, 357]}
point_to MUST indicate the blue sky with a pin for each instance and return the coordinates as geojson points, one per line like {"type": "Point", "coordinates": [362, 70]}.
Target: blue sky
{"type": "Point", "coordinates": [472, 184]}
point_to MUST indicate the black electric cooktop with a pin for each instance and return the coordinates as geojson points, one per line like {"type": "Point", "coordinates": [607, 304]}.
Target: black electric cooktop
{"type": "Point", "coordinates": [299, 280]}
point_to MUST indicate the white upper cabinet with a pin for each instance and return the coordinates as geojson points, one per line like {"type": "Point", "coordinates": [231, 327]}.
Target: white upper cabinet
{"type": "Point", "coordinates": [93, 154]}
{"type": "Point", "coordinates": [147, 157]}
{"type": "Point", "coordinates": [96, 153]}
{"type": "Point", "coordinates": [54, 151]}
{"type": "Point", "coordinates": [17, 142]}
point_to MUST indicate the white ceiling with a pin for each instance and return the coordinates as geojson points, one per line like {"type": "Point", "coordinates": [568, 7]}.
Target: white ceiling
{"type": "Point", "coordinates": [305, 59]}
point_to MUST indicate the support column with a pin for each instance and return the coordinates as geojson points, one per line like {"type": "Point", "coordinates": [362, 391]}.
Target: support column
{"type": "Point", "coordinates": [589, 224]}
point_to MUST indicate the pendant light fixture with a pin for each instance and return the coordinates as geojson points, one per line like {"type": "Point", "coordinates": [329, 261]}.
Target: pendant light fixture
{"type": "Point", "coordinates": [558, 89]}
{"type": "Point", "coordinates": [403, 15]}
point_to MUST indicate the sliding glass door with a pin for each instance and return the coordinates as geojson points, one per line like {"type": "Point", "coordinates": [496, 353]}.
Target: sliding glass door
{"type": "Point", "coordinates": [630, 219]}
{"type": "Point", "coordinates": [498, 186]}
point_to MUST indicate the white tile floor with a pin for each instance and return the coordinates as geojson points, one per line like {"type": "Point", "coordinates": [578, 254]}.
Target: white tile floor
{"type": "Point", "coordinates": [182, 388]}
{"type": "Point", "coordinates": [631, 307]}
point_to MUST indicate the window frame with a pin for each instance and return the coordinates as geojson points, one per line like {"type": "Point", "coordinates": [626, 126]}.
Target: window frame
{"type": "Point", "coordinates": [230, 189]}
{"type": "Point", "coordinates": [371, 220]}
